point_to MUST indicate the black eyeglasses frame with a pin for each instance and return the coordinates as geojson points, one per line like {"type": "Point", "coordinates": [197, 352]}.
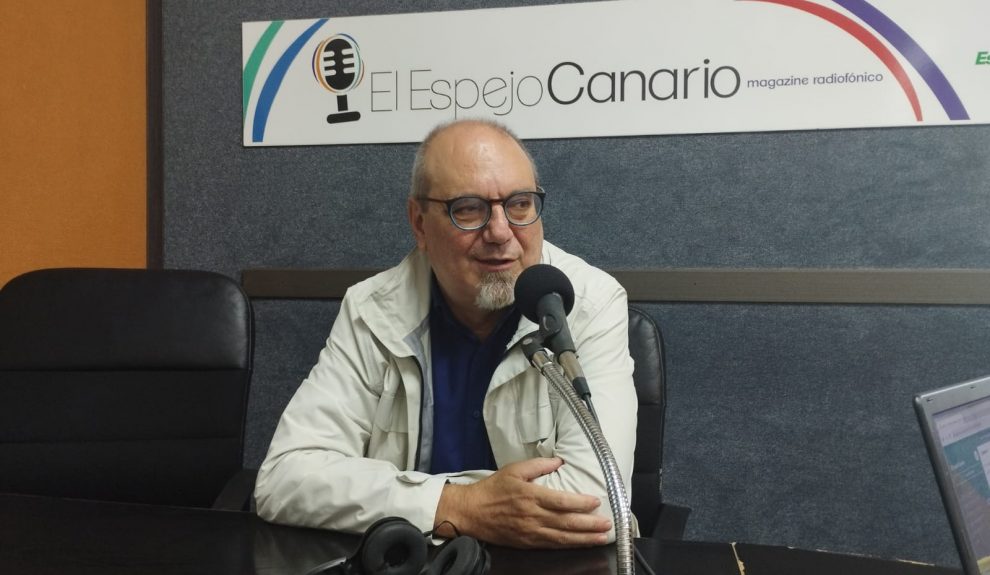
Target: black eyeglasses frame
{"type": "Point", "coordinates": [539, 192]}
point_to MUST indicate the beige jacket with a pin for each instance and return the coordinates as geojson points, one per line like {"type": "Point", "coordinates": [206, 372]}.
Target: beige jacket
{"type": "Point", "coordinates": [353, 441]}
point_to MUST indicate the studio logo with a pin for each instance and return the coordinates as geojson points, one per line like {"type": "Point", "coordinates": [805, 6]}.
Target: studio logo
{"type": "Point", "coordinates": [337, 66]}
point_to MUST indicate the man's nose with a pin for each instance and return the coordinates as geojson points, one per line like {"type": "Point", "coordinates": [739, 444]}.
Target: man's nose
{"type": "Point", "coordinates": [498, 230]}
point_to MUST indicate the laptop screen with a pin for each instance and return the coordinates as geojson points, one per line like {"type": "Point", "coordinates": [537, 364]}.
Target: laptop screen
{"type": "Point", "coordinates": [957, 429]}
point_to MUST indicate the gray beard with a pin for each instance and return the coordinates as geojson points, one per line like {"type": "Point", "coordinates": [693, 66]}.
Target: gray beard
{"type": "Point", "coordinates": [496, 291]}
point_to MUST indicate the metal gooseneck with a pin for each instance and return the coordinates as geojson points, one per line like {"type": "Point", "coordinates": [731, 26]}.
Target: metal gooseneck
{"type": "Point", "coordinates": [617, 498]}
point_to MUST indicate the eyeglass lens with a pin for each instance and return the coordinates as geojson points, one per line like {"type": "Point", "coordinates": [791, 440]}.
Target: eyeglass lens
{"type": "Point", "coordinates": [521, 208]}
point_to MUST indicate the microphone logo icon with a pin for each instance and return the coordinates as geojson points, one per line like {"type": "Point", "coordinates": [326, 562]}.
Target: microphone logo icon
{"type": "Point", "coordinates": [338, 67]}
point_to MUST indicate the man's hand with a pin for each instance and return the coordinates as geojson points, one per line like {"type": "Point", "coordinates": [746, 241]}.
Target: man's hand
{"type": "Point", "coordinates": [507, 509]}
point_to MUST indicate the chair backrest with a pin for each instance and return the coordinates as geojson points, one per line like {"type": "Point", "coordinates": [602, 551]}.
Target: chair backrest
{"type": "Point", "coordinates": [124, 385]}
{"type": "Point", "coordinates": [649, 376]}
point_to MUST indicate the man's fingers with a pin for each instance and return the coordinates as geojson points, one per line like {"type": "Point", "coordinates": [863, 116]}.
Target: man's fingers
{"type": "Point", "coordinates": [550, 499]}
{"type": "Point", "coordinates": [580, 523]}
{"type": "Point", "coordinates": [552, 538]}
{"type": "Point", "coordinates": [530, 469]}
{"type": "Point", "coordinates": [562, 501]}
{"type": "Point", "coordinates": [570, 530]}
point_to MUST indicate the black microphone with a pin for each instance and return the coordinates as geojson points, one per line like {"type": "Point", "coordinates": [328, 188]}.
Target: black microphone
{"type": "Point", "coordinates": [545, 296]}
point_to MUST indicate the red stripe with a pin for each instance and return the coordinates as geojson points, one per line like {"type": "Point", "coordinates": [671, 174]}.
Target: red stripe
{"type": "Point", "coordinates": [867, 39]}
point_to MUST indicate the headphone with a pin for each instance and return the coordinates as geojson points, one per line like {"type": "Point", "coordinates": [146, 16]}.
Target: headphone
{"type": "Point", "coordinates": [393, 546]}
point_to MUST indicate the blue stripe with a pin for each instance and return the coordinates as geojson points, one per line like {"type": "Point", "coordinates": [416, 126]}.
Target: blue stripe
{"type": "Point", "coordinates": [274, 81]}
{"type": "Point", "coordinates": [913, 53]}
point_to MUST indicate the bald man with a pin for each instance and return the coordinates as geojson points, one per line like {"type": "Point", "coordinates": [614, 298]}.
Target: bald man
{"type": "Point", "coordinates": [422, 404]}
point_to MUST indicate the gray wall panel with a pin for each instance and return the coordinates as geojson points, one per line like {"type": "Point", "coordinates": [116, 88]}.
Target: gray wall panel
{"type": "Point", "coordinates": [912, 197]}
{"type": "Point", "coordinates": [794, 424]}
{"type": "Point", "coordinates": [288, 338]}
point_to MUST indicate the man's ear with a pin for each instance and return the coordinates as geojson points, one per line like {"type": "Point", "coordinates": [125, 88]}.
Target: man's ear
{"type": "Point", "coordinates": [417, 222]}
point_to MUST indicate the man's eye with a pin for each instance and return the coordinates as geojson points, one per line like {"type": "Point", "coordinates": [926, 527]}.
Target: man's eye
{"type": "Point", "coordinates": [466, 210]}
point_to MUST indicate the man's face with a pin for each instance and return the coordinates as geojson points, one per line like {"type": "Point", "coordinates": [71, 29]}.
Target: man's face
{"type": "Point", "coordinates": [471, 159]}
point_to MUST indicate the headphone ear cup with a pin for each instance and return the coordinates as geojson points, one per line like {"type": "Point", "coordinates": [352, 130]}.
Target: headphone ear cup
{"type": "Point", "coordinates": [393, 547]}
{"type": "Point", "coordinates": [460, 556]}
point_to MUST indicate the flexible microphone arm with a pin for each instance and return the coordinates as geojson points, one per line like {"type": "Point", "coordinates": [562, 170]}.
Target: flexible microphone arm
{"type": "Point", "coordinates": [617, 498]}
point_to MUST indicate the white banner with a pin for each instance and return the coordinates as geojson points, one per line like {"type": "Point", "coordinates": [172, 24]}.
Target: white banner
{"type": "Point", "coordinates": [626, 67]}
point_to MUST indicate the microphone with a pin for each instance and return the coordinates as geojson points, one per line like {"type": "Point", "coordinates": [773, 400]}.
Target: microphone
{"type": "Point", "coordinates": [545, 296]}
{"type": "Point", "coordinates": [338, 67]}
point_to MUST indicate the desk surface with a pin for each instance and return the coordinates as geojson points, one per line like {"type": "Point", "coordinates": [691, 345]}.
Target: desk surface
{"type": "Point", "coordinates": [40, 536]}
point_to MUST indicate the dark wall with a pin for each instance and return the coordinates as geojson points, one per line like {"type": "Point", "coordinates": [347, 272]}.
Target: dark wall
{"type": "Point", "coordinates": [787, 424]}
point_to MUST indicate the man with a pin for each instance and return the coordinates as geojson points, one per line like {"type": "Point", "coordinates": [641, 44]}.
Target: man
{"type": "Point", "coordinates": [422, 404]}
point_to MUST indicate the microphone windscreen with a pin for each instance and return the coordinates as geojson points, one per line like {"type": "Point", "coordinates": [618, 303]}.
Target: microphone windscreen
{"type": "Point", "coordinates": [537, 281]}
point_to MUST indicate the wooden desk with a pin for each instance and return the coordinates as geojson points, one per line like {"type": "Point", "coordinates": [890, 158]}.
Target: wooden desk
{"type": "Point", "coordinates": [42, 536]}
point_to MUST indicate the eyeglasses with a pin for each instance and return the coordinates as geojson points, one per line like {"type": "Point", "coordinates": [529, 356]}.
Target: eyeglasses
{"type": "Point", "coordinates": [473, 212]}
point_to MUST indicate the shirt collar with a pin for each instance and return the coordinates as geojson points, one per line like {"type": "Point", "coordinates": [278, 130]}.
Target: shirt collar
{"type": "Point", "coordinates": [438, 305]}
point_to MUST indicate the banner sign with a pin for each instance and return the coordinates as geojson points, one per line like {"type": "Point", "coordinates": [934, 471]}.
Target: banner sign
{"type": "Point", "coordinates": [620, 68]}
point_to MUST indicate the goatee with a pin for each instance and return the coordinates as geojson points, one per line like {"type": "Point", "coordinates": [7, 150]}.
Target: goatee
{"type": "Point", "coordinates": [496, 291]}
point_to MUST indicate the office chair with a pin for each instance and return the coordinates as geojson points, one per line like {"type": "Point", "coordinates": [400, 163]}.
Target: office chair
{"type": "Point", "coordinates": [656, 519]}
{"type": "Point", "coordinates": [125, 385]}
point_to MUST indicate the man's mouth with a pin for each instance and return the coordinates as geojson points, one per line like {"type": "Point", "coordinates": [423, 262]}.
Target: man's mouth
{"type": "Point", "coordinates": [496, 264]}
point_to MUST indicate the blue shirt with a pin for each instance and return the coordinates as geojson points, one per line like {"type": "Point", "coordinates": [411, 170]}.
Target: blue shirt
{"type": "Point", "coordinates": [462, 369]}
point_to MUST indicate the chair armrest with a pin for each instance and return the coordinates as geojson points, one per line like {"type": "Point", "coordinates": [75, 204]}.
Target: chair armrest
{"type": "Point", "coordinates": [237, 493]}
{"type": "Point", "coordinates": [671, 522]}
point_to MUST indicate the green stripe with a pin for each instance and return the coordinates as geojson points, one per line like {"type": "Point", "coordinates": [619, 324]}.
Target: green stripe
{"type": "Point", "coordinates": [254, 62]}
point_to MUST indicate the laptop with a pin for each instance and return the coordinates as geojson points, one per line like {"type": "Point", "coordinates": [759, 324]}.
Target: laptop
{"type": "Point", "coordinates": [955, 421]}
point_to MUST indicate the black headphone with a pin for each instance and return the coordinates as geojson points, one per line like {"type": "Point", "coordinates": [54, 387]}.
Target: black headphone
{"type": "Point", "coordinates": [393, 546]}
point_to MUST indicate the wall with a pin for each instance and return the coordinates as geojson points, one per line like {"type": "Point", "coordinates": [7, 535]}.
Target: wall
{"type": "Point", "coordinates": [73, 147]}
{"type": "Point", "coordinates": [787, 424]}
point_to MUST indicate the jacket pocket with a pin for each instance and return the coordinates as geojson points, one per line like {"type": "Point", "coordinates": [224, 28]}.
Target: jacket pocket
{"type": "Point", "coordinates": [391, 414]}
{"type": "Point", "coordinates": [536, 430]}
{"type": "Point", "coordinates": [389, 437]}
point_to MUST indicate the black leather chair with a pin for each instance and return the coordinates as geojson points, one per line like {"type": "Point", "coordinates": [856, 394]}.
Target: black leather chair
{"type": "Point", "coordinates": [125, 385]}
{"type": "Point", "coordinates": [656, 518]}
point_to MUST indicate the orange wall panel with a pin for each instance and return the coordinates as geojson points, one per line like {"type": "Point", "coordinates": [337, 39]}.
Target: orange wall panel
{"type": "Point", "coordinates": [72, 134]}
